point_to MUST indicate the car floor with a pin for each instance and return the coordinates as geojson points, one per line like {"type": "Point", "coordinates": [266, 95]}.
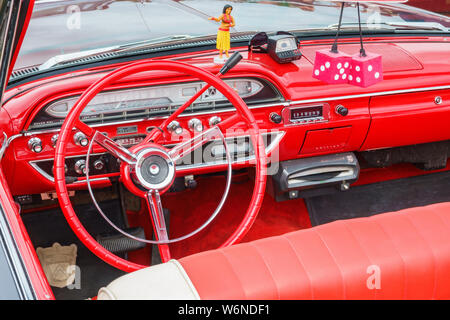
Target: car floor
{"type": "Point", "coordinates": [49, 226]}
{"type": "Point", "coordinates": [377, 191]}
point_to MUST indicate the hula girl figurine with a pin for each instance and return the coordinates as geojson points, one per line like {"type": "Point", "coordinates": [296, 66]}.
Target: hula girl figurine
{"type": "Point", "coordinates": [223, 34]}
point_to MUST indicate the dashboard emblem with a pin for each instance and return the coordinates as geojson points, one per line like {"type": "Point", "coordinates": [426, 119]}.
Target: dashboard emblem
{"type": "Point", "coordinates": [127, 130]}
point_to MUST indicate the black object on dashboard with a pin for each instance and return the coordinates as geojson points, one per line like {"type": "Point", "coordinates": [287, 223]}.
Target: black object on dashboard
{"type": "Point", "coordinates": [283, 46]}
{"type": "Point", "coordinates": [231, 62]}
{"type": "Point", "coordinates": [258, 43]}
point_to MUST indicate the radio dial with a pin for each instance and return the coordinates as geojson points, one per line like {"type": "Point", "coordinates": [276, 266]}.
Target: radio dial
{"type": "Point", "coordinates": [275, 118]}
{"type": "Point", "coordinates": [341, 110]}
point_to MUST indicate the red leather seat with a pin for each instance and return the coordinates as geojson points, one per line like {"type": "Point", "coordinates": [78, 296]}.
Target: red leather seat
{"type": "Point", "coordinates": [399, 255]}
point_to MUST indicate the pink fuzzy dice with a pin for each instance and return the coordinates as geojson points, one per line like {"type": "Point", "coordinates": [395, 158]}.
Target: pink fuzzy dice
{"type": "Point", "coordinates": [366, 71]}
{"type": "Point", "coordinates": [332, 68]}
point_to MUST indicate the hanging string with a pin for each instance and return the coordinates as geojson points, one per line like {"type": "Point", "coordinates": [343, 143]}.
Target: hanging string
{"type": "Point", "coordinates": [362, 51]}
{"type": "Point", "coordinates": [334, 48]}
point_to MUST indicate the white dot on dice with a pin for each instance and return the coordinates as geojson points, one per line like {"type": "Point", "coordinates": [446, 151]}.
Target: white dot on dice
{"type": "Point", "coordinates": [339, 66]}
{"type": "Point", "coordinates": [357, 68]}
{"type": "Point", "coordinates": [346, 65]}
{"type": "Point", "coordinates": [336, 77]}
{"type": "Point", "coordinates": [377, 75]}
{"type": "Point", "coordinates": [322, 68]}
{"type": "Point", "coordinates": [358, 79]}
{"type": "Point", "coordinates": [316, 72]}
{"type": "Point", "coordinates": [327, 65]}
{"type": "Point", "coordinates": [370, 68]}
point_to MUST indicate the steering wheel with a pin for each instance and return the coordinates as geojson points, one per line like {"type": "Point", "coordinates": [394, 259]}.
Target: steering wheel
{"type": "Point", "coordinates": [148, 169]}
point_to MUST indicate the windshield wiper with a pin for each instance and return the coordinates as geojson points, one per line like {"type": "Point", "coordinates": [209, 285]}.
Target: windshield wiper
{"type": "Point", "coordinates": [69, 57]}
{"type": "Point", "coordinates": [394, 26]}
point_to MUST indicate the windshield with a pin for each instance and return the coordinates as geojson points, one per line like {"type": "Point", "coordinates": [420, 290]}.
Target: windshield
{"type": "Point", "coordinates": [73, 26]}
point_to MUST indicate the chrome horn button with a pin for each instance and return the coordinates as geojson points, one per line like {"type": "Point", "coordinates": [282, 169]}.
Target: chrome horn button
{"type": "Point", "coordinates": [154, 169]}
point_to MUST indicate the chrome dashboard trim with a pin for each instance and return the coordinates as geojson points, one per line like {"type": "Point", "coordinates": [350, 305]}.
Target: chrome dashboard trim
{"type": "Point", "coordinates": [276, 141]}
{"type": "Point", "coordinates": [34, 165]}
{"type": "Point", "coordinates": [368, 95]}
{"type": "Point", "coordinates": [277, 104]}
{"type": "Point", "coordinates": [4, 145]}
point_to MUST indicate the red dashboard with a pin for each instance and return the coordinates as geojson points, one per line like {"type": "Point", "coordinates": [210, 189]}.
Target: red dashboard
{"type": "Point", "coordinates": [410, 106]}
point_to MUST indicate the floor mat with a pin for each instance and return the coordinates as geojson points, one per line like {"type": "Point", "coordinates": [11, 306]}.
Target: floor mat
{"type": "Point", "coordinates": [368, 200]}
{"type": "Point", "coordinates": [46, 228]}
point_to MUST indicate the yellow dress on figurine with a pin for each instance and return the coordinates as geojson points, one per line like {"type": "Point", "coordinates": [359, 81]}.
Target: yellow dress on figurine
{"type": "Point", "coordinates": [223, 34]}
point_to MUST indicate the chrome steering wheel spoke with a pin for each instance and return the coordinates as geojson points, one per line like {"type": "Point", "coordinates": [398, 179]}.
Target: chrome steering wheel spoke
{"type": "Point", "coordinates": [184, 148]}
{"type": "Point", "coordinates": [108, 144]}
{"type": "Point", "coordinates": [114, 148]}
{"type": "Point", "coordinates": [159, 224]}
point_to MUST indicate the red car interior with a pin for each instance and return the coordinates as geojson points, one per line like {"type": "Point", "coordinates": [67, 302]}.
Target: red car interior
{"type": "Point", "coordinates": [410, 248]}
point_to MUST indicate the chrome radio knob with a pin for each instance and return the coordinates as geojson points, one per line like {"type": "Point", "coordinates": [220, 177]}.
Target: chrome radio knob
{"type": "Point", "coordinates": [99, 165]}
{"type": "Point", "coordinates": [35, 144]}
{"type": "Point", "coordinates": [214, 121]}
{"type": "Point", "coordinates": [54, 140]}
{"type": "Point", "coordinates": [80, 167]}
{"type": "Point", "coordinates": [175, 127]}
{"type": "Point", "coordinates": [195, 125]}
{"type": "Point", "coordinates": [80, 139]}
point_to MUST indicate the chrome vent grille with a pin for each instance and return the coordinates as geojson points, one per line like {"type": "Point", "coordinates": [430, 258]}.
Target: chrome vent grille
{"type": "Point", "coordinates": [175, 46]}
{"type": "Point", "coordinates": [23, 72]}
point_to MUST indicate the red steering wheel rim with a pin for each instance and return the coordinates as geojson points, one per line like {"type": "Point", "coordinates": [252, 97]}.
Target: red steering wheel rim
{"type": "Point", "coordinates": [94, 89]}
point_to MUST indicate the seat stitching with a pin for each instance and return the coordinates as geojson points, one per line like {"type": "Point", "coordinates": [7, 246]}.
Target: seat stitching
{"type": "Point", "coordinates": [303, 266]}
{"type": "Point", "coordinates": [430, 250]}
{"type": "Point", "coordinates": [335, 262]}
{"type": "Point", "coordinates": [345, 224]}
{"type": "Point", "coordinates": [401, 257]}
{"type": "Point", "coordinates": [267, 267]}
{"type": "Point", "coordinates": [234, 271]}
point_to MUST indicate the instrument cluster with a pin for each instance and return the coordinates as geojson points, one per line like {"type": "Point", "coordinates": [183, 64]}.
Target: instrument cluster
{"type": "Point", "coordinates": [154, 102]}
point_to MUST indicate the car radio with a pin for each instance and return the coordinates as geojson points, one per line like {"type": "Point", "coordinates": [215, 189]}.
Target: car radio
{"type": "Point", "coordinates": [302, 114]}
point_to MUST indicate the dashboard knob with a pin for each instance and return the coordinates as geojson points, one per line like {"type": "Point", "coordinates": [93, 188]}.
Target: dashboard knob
{"type": "Point", "coordinates": [99, 164]}
{"type": "Point", "coordinates": [54, 140]}
{"type": "Point", "coordinates": [35, 144]}
{"type": "Point", "coordinates": [195, 125]}
{"type": "Point", "coordinates": [80, 167]}
{"type": "Point", "coordinates": [275, 118]}
{"type": "Point", "coordinates": [175, 127]}
{"type": "Point", "coordinates": [214, 121]}
{"type": "Point", "coordinates": [80, 139]}
{"type": "Point", "coordinates": [341, 110]}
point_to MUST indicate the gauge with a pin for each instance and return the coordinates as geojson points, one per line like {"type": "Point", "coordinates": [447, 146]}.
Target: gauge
{"type": "Point", "coordinates": [150, 99]}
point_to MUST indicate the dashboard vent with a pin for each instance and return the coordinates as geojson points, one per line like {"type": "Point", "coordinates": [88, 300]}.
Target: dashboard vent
{"type": "Point", "coordinates": [23, 72]}
{"type": "Point", "coordinates": [175, 46]}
